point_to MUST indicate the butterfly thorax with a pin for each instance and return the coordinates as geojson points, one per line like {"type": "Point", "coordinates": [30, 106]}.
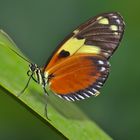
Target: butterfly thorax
{"type": "Point", "coordinates": [37, 75]}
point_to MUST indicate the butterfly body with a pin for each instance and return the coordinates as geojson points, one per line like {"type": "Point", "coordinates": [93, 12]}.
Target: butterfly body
{"type": "Point", "coordinates": [79, 67]}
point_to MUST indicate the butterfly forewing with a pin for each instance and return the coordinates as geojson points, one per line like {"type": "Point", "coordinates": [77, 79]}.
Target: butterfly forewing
{"type": "Point", "coordinates": [100, 35]}
{"type": "Point", "coordinates": [104, 32]}
{"type": "Point", "coordinates": [79, 67]}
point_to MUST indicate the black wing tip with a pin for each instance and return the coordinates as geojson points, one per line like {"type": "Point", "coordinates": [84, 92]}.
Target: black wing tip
{"type": "Point", "coordinates": [121, 24]}
{"type": "Point", "coordinates": [113, 13]}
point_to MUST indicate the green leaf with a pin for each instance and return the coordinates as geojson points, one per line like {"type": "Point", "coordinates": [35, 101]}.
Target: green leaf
{"type": "Point", "coordinates": [64, 116]}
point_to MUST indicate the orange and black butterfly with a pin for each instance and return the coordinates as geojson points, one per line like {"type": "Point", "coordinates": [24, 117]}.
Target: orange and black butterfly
{"type": "Point", "coordinates": [79, 67]}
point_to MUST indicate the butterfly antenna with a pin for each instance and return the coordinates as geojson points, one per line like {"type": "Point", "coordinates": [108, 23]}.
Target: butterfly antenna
{"type": "Point", "coordinates": [46, 108]}
{"type": "Point", "coordinates": [7, 36]}
{"type": "Point", "coordinates": [46, 112]}
{"type": "Point", "coordinates": [25, 86]}
{"type": "Point", "coordinates": [46, 105]}
{"type": "Point", "coordinates": [20, 55]}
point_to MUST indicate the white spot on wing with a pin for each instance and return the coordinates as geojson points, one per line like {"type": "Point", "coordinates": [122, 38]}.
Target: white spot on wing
{"type": "Point", "coordinates": [71, 98]}
{"type": "Point", "coordinates": [103, 78]}
{"type": "Point", "coordinates": [98, 86]}
{"type": "Point", "coordinates": [94, 90]}
{"type": "Point", "coordinates": [116, 33]}
{"type": "Point", "coordinates": [101, 62]}
{"type": "Point", "coordinates": [80, 96]}
{"type": "Point", "coordinates": [118, 21]}
{"type": "Point", "coordinates": [76, 98]}
{"type": "Point", "coordinates": [114, 16]}
{"type": "Point", "coordinates": [102, 69]}
{"type": "Point", "coordinates": [65, 97]}
{"type": "Point", "coordinates": [100, 83]}
{"type": "Point", "coordinates": [59, 96]}
{"type": "Point", "coordinates": [86, 95]}
{"type": "Point", "coordinates": [111, 14]}
{"type": "Point", "coordinates": [106, 54]}
{"type": "Point", "coordinates": [90, 92]}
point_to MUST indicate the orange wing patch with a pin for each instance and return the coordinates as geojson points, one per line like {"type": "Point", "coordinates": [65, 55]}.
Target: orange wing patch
{"type": "Point", "coordinates": [77, 75]}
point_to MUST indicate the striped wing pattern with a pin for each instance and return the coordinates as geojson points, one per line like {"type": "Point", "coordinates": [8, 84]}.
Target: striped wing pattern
{"type": "Point", "coordinates": [104, 31]}
{"type": "Point", "coordinates": [99, 38]}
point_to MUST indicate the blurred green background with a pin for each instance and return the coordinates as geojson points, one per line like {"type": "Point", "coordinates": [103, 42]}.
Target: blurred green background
{"type": "Point", "coordinates": [37, 27]}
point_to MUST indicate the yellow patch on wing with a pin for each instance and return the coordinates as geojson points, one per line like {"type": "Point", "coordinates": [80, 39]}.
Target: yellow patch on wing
{"type": "Point", "coordinates": [114, 27]}
{"type": "Point", "coordinates": [116, 33]}
{"type": "Point", "coordinates": [104, 21]}
{"type": "Point", "coordinates": [89, 49]}
{"type": "Point", "coordinates": [72, 45]}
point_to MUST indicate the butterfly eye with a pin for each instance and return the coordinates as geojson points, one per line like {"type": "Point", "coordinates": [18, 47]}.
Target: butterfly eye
{"type": "Point", "coordinates": [32, 67]}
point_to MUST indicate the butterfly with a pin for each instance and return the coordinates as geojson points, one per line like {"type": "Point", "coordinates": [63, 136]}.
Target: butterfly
{"type": "Point", "coordinates": [79, 66]}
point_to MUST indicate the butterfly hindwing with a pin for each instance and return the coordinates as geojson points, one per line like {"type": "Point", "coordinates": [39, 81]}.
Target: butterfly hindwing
{"type": "Point", "coordinates": [79, 77]}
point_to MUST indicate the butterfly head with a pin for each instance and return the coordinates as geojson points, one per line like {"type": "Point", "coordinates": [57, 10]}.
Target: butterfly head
{"type": "Point", "coordinates": [32, 69]}
{"type": "Point", "coordinates": [35, 73]}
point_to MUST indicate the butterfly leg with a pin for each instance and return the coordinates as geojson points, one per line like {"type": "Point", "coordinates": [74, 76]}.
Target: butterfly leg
{"type": "Point", "coordinates": [45, 91]}
{"type": "Point", "coordinates": [46, 112]}
{"type": "Point", "coordinates": [34, 79]}
{"type": "Point", "coordinates": [46, 96]}
{"type": "Point", "coordinates": [25, 87]}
